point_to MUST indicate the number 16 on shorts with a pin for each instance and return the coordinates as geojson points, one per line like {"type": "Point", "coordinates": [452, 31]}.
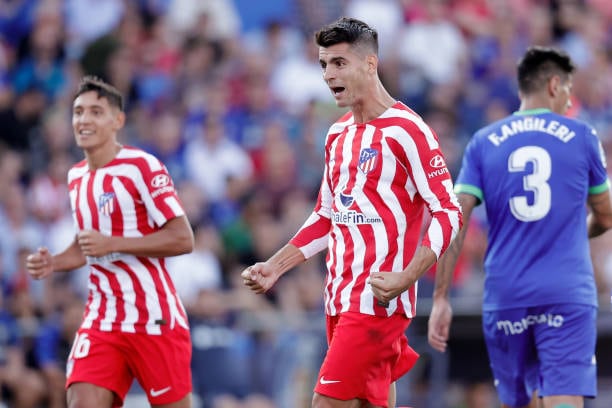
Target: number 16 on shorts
{"type": "Point", "coordinates": [80, 349]}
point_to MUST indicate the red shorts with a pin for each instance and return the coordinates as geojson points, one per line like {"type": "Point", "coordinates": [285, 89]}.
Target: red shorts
{"type": "Point", "coordinates": [365, 355]}
{"type": "Point", "coordinates": [161, 363]}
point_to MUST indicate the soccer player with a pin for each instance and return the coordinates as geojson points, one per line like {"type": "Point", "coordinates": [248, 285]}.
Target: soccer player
{"type": "Point", "coordinates": [128, 219]}
{"type": "Point", "coordinates": [383, 169]}
{"type": "Point", "coordinates": [535, 170]}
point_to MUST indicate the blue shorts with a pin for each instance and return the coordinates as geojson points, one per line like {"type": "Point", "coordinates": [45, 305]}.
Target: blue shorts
{"type": "Point", "coordinates": [549, 348]}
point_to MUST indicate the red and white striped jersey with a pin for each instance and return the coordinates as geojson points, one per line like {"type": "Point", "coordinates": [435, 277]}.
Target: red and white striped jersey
{"type": "Point", "coordinates": [131, 196]}
{"type": "Point", "coordinates": [379, 178]}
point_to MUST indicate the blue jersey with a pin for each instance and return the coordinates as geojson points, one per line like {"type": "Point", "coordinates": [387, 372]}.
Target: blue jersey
{"type": "Point", "coordinates": [534, 171]}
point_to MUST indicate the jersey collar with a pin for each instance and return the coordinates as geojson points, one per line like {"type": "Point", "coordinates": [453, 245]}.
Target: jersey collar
{"type": "Point", "coordinates": [536, 111]}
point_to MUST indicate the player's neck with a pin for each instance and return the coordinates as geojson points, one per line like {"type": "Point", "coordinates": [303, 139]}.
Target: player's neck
{"type": "Point", "coordinates": [534, 102]}
{"type": "Point", "coordinates": [99, 156]}
{"type": "Point", "coordinates": [372, 105]}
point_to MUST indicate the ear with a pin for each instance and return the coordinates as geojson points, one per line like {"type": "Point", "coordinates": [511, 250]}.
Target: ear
{"type": "Point", "coordinates": [372, 61]}
{"type": "Point", "coordinates": [554, 85]}
{"type": "Point", "coordinates": [119, 120]}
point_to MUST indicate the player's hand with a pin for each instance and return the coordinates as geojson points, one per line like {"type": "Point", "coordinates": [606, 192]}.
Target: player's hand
{"type": "Point", "coordinates": [259, 277]}
{"type": "Point", "coordinates": [93, 243]}
{"type": "Point", "coordinates": [39, 264]}
{"type": "Point", "coordinates": [438, 327]}
{"type": "Point", "coordinates": [387, 286]}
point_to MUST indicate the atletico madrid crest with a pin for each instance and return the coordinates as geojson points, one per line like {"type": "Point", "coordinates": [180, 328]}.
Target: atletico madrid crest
{"type": "Point", "coordinates": [367, 160]}
{"type": "Point", "coordinates": [106, 203]}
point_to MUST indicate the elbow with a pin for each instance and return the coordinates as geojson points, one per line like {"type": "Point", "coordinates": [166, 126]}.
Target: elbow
{"type": "Point", "coordinates": [183, 243]}
{"type": "Point", "coordinates": [603, 223]}
{"type": "Point", "coordinates": [186, 244]}
{"type": "Point", "coordinates": [606, 224]}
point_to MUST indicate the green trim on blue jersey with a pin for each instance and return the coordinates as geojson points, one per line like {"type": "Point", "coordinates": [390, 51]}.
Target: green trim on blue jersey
{"type": "Point", "coordinates": [536, 111]}
{"type": "Point", "coordinates": [600, 188]}
{"type": "Point", "coordinates": [469, 189]}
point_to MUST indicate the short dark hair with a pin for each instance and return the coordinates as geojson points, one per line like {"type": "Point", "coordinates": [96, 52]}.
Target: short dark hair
{"type": "Point", "coordinates": [539, 64]}
{"type": "Point", "coordinates": [347, 30]}
{"type": "Point", "coordinates": [104, 90]}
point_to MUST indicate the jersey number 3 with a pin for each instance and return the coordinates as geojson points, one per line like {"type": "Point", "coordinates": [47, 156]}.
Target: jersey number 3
{"type": "Point", "coordinates": [535, 182]}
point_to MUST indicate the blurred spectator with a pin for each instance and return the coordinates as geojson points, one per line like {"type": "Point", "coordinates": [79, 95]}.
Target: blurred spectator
{"type": "Point", "coordinates": [52, 347]}
{"type": "Point", "coordinates": [276, 39]}
{"type": "Point", "coordinates": [16, 19]}
{"type": "Point", "coordinates": [198, 275]}
{"type": "Point", "coordinates": [296, 95]}
{"type": "Point", "coordinates": [18, 120]}
{"type": "Point", "coordinates": [41, 62]}
{"type": "Point", "coordinates": [81, 29]}
{"type": "Point", "coordinates": [220, 167]}
{"type": "Point", "coordinates": [52, 140]}
{"type": "Point", "coordinates": [48, 190]}
{"type": "Point", "coordinates": [277, 163]}
{"type": "Point", "coordinates": [442, 63]}
{"type": "Point", "coordinates": [385, 15]}
{"type": "Point", "coordinates": [222, 353]}
{"type": "Point", "coordinates": [22, 387]}
{"type": "Point", "coordinates": [312, 14]}
{"type": "Point", "coordinates": [167, 142]}
{"type": "Point", "coordinates": [214, 19]}
{"type": "Point", "coordinates": [18, 230]}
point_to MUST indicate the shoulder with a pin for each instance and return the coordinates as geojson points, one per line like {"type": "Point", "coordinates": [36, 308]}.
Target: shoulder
{"type": "Point", "coordinates": [77, 170]}
{"type": "Point", "coordinates": [344, 121]}
{"type": "Point", "coordinates": [580, 124]}
{"type": "Point", "coordinates": [493, 127]}
{"type": "Point", "coordinates": [139, 158]}
{"type": "Point", "coordinates": [577, 128]}
{"type": "Point", "coordinates": [402, 119]}
{"type": "Point", "coordinates": [400, 122]}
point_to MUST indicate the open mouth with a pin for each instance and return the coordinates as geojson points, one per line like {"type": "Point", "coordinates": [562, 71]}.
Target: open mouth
{"type": "Point", "coordinates": [337, 90]}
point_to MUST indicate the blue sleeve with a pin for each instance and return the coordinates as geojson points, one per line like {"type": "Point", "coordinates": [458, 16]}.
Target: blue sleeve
{"type": "Point", "coordinates": [598, 175]}
{"type": "Point", "coordinates": [469, 180]}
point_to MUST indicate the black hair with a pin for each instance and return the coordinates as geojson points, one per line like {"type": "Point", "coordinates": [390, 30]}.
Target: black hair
{"type": "Point", "coordinates": [348, 30]}
{"type": "Point", "coordinates": [539, 64]}
{"type": "Point", "coordinates": [104, 90]}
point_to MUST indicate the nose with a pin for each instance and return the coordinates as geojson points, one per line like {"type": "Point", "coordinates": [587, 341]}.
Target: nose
{"type": "Point", "coordinates": [83, 117]}
{"type": "Point", "coordinates": [328, 73]}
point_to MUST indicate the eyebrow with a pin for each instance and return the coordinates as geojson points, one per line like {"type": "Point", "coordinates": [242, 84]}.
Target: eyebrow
{"type": "Point", "coordinates": [91, 106]}
{"type": "Point", "coordinates": [332, 60]}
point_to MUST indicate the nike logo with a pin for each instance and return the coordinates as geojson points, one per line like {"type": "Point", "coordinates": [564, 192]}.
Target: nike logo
{"type": "Point", "coordinates": [323, 381]}
{"type": "Point", "coordinates": [157, 393]}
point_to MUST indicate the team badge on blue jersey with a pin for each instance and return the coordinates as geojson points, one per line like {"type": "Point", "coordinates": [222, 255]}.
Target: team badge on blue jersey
{"type": "Point", "coordinates": [106, 203]}
{"type": "Point", "coordinates": [367, 160]}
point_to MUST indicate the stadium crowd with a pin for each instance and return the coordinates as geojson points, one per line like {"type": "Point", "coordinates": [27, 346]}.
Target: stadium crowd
{"type": "Point", "coordinates": [229, 95]}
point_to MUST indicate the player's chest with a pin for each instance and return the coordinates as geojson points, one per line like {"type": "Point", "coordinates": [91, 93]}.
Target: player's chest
{"type": "Point", "coordinates": [361, 162]}
{"type": "Point", "coordinates": [105, 197]}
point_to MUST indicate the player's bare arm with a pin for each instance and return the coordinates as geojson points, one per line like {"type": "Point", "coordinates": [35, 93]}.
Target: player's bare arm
{"type": "Point", "coordinates": [174, 238]}
{"type": "Point", "coordinates": [261, 276]}
{"type": "Point", "coordinates": [441, 312]}
{"type": "Point", "coordinates": [387, 286]}
{"type": "Point", "coordinates": [600, 218]}
{"type": "Point", "coordinates": [42, 263]}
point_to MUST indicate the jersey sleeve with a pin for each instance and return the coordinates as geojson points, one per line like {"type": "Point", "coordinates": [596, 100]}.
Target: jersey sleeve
{"type": "Point", "coordinates": [469, 180]}
{"type": "Point", "coordinates": [433, 182]}
{"type": "Point", "coordinates": [598, 175]}
{"type": "Point", "coordinates": [312, 237]}
{"type": "Point", "coordinates": [158, 193]}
